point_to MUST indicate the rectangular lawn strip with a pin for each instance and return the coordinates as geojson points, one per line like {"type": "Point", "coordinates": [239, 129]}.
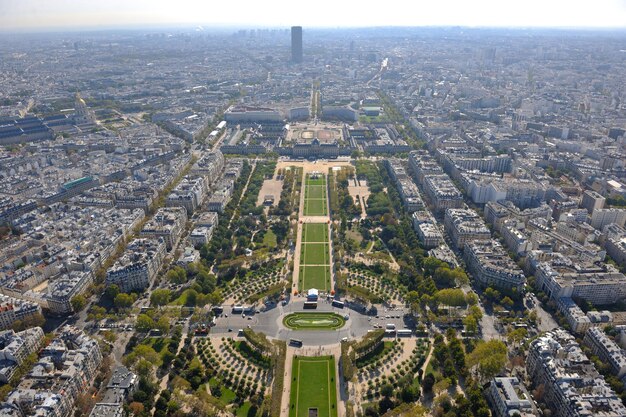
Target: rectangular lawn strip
{"type": "Point", "coordinates": [314, 232]}
{"type": "Point", "coordinates": [313, 386]}
{"type": "Point", "coordinates": [315, 191]}
{"type": "Point", "coordinates": [317, 277]}
{"type": "Point", "coordinates": [315, 207]}
{"type": "Point", "coordinates": [315, 254]}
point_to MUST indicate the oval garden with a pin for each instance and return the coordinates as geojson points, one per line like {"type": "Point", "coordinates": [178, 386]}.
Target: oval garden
{"type": "Point", "coordinates": [313, 321]}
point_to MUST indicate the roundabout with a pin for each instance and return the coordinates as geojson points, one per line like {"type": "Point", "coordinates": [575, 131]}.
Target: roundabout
{"type": "Point", "coordinates": [314, 321]}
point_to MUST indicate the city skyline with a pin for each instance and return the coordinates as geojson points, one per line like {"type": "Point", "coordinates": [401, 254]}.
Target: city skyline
{"type": "Point", "coordinates": [38, 15]}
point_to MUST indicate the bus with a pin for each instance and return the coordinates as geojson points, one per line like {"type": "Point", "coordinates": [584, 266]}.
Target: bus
{"type": "Point", "coordinates": [337, 303]}
{"type": "Point", "coordinates": [404, 333]}
{"type": "Point", "coordinates": [295, 342]}
{"type": "Point", "coordinates": [310, 305]}
{"type": "Point", "coordinates": [237, 309]}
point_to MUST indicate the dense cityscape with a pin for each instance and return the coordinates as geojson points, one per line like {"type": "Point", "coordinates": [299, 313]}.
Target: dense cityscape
{"type": "Point", "coordinates": [307, 222]}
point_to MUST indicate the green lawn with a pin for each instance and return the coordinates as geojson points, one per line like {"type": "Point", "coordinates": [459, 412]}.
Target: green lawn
{"type": "Point", "coordinates": [244, 409]}
{"type": "Point", "coordinates": [315, 191]}
{"type": "Point", "coordinates": [269, 239]}
{"type": "Point", "coordinates": [314, 254]}
{"type": "Point", "coordinates": [315, 232]}
{"type": "Point", "coordinates": [315, 207]}
{"type": "Point", "coordinates": [314, 321]}
{"type": "Point", "coordinates": [227, 396]}
{"type": "Point", "coordinates": [317, 277]}
{"type": "Point", "coordinates": [313, 386]}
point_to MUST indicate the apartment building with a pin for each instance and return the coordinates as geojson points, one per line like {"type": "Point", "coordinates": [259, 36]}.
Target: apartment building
{"type": "Point", "coordinates": [138, 266]}
{"type": "Point", "coordinates": [464, 225]}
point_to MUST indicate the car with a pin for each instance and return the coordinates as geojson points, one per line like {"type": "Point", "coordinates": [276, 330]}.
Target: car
{"type": "Point", "coordinates": [249, 318]}
{"type": "Point", "coordinates": [230, 330]}
{"type": "Point", "coordinates": [345, 339]}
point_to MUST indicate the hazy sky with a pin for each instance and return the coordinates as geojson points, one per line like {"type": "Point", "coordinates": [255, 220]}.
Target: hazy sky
{"type": "Point", "coordinates": [40, 14]}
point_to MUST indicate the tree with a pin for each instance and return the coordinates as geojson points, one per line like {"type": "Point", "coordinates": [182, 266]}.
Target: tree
{"type": "Point", "coordinates": [112, 291]}
{"type": "Point", "coordinates": [472, 298]}
{"type": "Point", "coordinates": [428, 382]}
{"type": "Point", "coordinates": [36, 320]}
{"type": "Point", "coordinates": [516, 336]}
{"type": "Point", "coordinates": [177, 275]}
{"type": "Point", "coordinates": [431, 264]}
{"type": "Point", "coordinates": [492, 294]}
{"type": "Point", "coordinates": [386, 390]}
{"type": "Point", "coordinates": [136, 408]}
{"type": "Point", "coordinates": [163, 324]}
{"type": "Point", "coordinates": [471, 325]}
{"type": "Point", "coordinates": [143, 353]}
{"type": "Point", "coordinates": [160, 297]}
{"type": "Point", "coordinates": [78, 302]}
{"type": "Point", "coordinates": [144, 323]}
{"type": "Point", "coordinates": [451, 297]}
{"type": "Point", "coordinates": [507, 302]}
{"type": "Point", "coordinates": [192, 297]}
{"type": "Point", "coordinates": [123, 300]}
{"type": "Point", "coordinates": [475, 312]}
{"type": "Point", "coordinates": [489, 358]}
{"type": "Point", "coordinates": [410, 393]}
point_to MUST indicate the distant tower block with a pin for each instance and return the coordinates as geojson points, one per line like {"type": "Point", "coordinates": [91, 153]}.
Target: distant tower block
{"type": "Point", "coordinates": [296, 44]}
{"type": "Point", "coordinates": [82, 114]}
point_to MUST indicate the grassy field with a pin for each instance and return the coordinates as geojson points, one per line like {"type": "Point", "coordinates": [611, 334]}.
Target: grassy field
{"type": "Point", "coordinates": [315, 191]}
{"type": "Point", "coordinates": [315, 276]}
{"type": "Point", "coordinates": [314, 321]}
{"type": "Point", "coordinates": [315, 207]}
{"type": "Point", "coordinates": [269, 239]}
{"type": "Point", "coordinates": [314, 232]}
{"type": "Point", "coordinates": [314, 254]}
{"type": "Point", "coordinates": [315, 203]}
{"type": "Point", "coordinates": [313, 386]}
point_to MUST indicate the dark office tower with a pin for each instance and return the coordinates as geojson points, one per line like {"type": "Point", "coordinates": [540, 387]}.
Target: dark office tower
{"type": "Point", "coordinates": [296, 44]}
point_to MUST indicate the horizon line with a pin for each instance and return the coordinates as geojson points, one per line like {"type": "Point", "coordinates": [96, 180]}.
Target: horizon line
{"type": "Point", "coordinates": [208, 27]}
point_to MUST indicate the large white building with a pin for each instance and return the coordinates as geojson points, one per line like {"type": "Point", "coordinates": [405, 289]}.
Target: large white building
{"type": "Point", "coordinates": [168, 223]}
{"type": "Point", "coordinates": [592, 201]}
{"type": "Point", "coordinates": [607, 350]}
{"type": "Point", "coordinates": [572, 387]}
{"type": "Point", "coordinates": [427, 231]}
{"type": "Point", "coordinates": [464, 225]}
{"type": "Point", "coordinates": [246, 114]}
{"type": "Point", "coordinates": [66, 368]}
{"type": "Point", "coordinates": [442, 192]}
{"type": "Point", "coordinates": [507, 396]}
{"type": "Point", "coordinates": [598, 286]}
{"type": "Point", "coordinates": [15, 348]}
{"type": "Point", "coordinates": [138, 266]}
{"type": "Point", "coordinates": [603, 217]}
{"type": "Point", "coordinates": [491, 266]}
{"type": "Point", "coordinates": [14, 309]}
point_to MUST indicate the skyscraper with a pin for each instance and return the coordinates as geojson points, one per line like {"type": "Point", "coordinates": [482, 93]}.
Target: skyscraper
{"type": "Point", "coordinates": [296, 44]}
